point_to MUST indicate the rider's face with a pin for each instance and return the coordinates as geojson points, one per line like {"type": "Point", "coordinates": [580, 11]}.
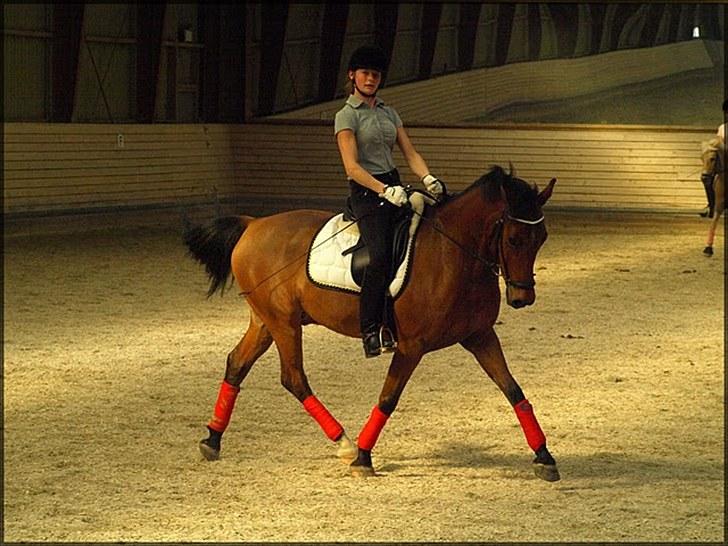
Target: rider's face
{"type": "Point", "coordinates": [366, 79]}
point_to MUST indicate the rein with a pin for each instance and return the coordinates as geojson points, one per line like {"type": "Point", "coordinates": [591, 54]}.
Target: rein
{"type": "Point", "coordinates": [495, 267]}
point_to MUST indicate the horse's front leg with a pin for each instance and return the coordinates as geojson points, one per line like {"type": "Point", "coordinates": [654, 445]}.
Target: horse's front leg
{"type": "Point", "coordinates": [487, 350]}
{"type": "Point", "coordinates": [400, 370]}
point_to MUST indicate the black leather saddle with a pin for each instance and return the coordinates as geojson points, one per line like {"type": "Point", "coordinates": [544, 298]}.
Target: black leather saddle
{"type": "Point", "coordinates": [360, 252]}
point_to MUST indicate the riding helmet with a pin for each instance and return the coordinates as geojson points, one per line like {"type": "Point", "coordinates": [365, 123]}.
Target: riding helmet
{"type": "Point", "coordinates": [368, 56]}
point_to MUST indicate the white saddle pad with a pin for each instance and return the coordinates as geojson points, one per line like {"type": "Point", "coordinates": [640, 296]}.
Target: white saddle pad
{"type": "Point", "coordinates": [327, 268]}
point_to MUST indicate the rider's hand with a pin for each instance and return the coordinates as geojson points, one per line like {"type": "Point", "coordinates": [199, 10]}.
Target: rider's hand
{"type": "Point", "coordinates": [433, 185]}
{"type": "Point", "coordinates": [395, 195]}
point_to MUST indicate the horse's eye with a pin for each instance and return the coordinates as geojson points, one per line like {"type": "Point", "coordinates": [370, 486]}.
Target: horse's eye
{"type": "Point", "coordinates": [513, 241]}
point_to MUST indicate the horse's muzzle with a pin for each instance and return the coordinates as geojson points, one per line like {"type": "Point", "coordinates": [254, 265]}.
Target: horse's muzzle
{"type": "Point", "coordinates": [520, 294]}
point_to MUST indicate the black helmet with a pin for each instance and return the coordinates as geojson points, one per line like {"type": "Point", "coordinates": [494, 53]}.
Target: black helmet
{"type": "Point", "coordinates": [368, 56]}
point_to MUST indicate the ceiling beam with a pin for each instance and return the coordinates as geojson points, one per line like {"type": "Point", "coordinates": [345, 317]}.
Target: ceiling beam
{"type": "Point", "coordinates": [67, 25]}
{"type": "Point", "coordinates": [150, 21]}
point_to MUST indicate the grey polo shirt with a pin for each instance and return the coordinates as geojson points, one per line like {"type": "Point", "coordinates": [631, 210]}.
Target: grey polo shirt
{"type": "Point", "coordinates": [375, 130]}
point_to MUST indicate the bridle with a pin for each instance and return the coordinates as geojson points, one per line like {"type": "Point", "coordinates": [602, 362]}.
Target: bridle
{"type": "Point", "coordinates": [525, 285]}
{"type": "Point", "coordinates": [498, 268]}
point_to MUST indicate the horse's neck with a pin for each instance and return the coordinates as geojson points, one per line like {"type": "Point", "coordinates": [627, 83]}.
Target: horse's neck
{"type": "Point", "coordinates": [471, 219]}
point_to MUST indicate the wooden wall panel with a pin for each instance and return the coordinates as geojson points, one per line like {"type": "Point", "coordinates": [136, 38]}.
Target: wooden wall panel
{"type": "Point", "coordinates": [262, 168]}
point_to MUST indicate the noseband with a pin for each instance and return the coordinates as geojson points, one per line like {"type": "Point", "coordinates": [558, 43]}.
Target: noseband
{"type": "Point", "coordinates": [524, 285]}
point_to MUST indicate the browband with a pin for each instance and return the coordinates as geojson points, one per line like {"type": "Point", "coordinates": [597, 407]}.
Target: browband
{"type": "Point", "coordinates": [522, 221]}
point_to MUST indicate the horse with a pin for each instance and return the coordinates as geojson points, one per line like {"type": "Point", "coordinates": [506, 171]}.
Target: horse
{"type": "Point", "coordinates": [714, 167]}
{"type": "Point", "coordinates": [492, 229]}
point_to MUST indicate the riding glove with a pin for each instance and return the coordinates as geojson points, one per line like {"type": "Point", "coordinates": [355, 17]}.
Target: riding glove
{"type": "Point", "coordinates": [395, 195]}
{"type": "Point", "coordinates": [433, 185]}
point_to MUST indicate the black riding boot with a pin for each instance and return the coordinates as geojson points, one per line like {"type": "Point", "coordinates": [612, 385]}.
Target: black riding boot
{"type": "Point", "coordinates": [377, 341]}
{"type": "Point", "coordinates": [372, 343]}
{"type": "Point", "coordinates": [707, 180]}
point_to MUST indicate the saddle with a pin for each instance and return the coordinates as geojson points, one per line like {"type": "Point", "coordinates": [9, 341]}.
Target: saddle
{"type": "Point", "coordinates": [338, 256]}
{"type": "Point", "coordinates": [360, 253]}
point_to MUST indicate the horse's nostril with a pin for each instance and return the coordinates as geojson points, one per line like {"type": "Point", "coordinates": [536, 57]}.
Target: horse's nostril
{"type": "Point", "coordinates": [518, 304]}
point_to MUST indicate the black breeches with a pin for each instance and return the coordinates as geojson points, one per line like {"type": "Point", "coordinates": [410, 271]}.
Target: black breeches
{"type": "Point", "coordinates": [707, 179]}
{"type": "Point", "coordinates": [376, 225]}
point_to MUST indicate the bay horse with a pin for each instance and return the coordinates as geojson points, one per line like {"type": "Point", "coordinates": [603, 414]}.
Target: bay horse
{"type": "Point", "coordinates": [714, 165]}
{"type": "Point", "coordinates": [493, 228]}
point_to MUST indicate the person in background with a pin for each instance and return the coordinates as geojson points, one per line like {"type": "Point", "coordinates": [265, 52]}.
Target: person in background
{"type": "Point", "coordinates": [707, 178]}
{"type": "Point", "coordinates": [366, 130]}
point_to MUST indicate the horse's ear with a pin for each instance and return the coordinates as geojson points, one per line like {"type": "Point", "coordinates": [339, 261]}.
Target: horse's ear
{"type": "Point", "coordinates": [546, 193]}
{"type": "Point", "coordinates": [502, 183]}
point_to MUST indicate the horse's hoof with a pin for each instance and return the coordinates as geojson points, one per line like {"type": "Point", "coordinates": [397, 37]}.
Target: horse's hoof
{"type": "Point", "coordinates": [347, 451]}
{"type": "Point", "coordinates": [708, 251]}
{"type": "Point", "coordinates": [209, 452]}
{"type": "Point", "coordinates": [362, 467]}
{"type": "Point", "coordinates": [547, 472]}
{"type": "Point", "coordinates": [362, 471]}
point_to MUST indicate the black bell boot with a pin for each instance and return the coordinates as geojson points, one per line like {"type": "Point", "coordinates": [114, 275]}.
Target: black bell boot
{"type": "Point", "coordinates": [707, 180]}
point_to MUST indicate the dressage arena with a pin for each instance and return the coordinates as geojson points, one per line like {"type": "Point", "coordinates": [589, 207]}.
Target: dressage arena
{"type": "Point", "coordinates": [113, 358]}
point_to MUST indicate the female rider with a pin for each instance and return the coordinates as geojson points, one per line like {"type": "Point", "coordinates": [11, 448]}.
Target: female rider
{"type": "Point", "coordinates": [366, 130]}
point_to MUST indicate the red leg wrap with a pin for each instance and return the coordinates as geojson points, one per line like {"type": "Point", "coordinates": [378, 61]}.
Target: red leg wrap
{"type": "Point", "coordinates": [369, 434]}
{"type": "Point", "coordinates": [224, 407]}
{"type": "Point", "coordinates": [534, 435]}
{"type": "Point", "coordinates": [326, 421]}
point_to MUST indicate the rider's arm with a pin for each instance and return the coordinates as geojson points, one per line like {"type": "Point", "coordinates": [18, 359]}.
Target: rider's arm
{"type": "Point", "coordinates": [348, 150]}
{"type": "Point", "coordinates": [413, 158]}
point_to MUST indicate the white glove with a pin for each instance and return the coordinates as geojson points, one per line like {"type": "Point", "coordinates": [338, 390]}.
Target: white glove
{"type": "Point", "coordinates": [433, 185]}
{"type": "Point", "coordinates": [395, 195]}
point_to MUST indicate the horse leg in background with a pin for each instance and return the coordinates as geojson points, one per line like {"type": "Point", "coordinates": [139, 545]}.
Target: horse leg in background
{"type": "Point", "coordinates": [293, 378]}
{"type": "Point", "coordinates": [487, 350]}
{"type": "Point", "coordinates": [254, 343]}
{"type": "Point", "coordinates": [400, 370]}
{"type": "Point", "coordinates": [719, 187]}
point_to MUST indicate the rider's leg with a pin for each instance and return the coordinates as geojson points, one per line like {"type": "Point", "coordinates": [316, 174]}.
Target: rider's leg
{"type": "Point", "coordinates": [375, 225]}
{"type": "Point", "coordinates": [707, 180]}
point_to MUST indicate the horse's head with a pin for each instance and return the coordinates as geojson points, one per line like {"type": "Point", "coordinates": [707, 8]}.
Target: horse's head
{"type": "Point", "coordinates": [520, 233]}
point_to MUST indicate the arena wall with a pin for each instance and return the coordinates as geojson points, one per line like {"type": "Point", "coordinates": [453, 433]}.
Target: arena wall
{"type": "Point", "coordinates": [155, 171]}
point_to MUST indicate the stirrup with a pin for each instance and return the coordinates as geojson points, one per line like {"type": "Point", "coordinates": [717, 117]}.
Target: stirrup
{"type": "Point", "coordinates": [386, 340]}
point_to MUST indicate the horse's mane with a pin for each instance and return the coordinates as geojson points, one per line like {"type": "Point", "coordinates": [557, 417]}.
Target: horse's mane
{"type": "Point", "coordinates": [522, 196]}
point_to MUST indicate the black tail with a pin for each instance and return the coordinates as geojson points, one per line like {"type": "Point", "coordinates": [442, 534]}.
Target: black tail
{"type": "Point", "coordinates": [212, 246]}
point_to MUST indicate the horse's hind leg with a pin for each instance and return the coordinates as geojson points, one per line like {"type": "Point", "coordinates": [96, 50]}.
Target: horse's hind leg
{"type": "Point", "coordinates": [487, 350]}
{"type": "Point", "coordinates": [294, 380]}
{"type": "Point", "coordinates": [254, 343]}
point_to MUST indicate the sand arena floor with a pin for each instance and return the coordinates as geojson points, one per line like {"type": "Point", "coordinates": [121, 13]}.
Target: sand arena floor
{"type": "Point", "coordinates": [113, 358]}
